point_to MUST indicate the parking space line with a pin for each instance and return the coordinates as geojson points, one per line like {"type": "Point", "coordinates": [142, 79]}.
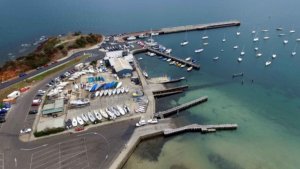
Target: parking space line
{"type": "Point", "coordinates": [39, 160]}
{"type": "Point", "coordinates": [54, 151]}
{"type": "Point", "coordinates": [42, 150]}
{"type": "Point", "coordinates": [42, 166]}
{"type": "Point", "coordinates": [72, 160]}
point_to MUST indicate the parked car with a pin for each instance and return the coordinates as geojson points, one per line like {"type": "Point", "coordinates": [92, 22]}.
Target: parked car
{"type": "Point", "coordinates": [26, 130]}
{"type": "Point", "coordinates": [33, 112]}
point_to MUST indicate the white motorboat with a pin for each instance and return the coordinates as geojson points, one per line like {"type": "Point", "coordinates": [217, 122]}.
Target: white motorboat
{"type": "Point", "coordinates": [274, 56]}
{"type": "Point", "coordinates": [121, 110]}
{"type": "Point", "coordinates": [122, 90]}
{"type": "Point", "coordinates": [268, 63]}
{"type": "Point", "coordinates": [97, 115]}
{"type": "Point", "coordinates": [224, 39]}
{"type": "Point", "coordinates": [199, 50]}
{"type": "Point", "coordinates": [150, 42]}
{"type": "Point", "coordinates": [141, 36]}
{"type": "Point", "coordinates": [151, 54]}
{"type": "Point", "coordinates": [153, 121]}
{"type": "Point", "coordinates": [294, 53]}
{"type": "Point", "coordinates": [97, 94]}
{"type": "Point", "coordinates": [154, 33]}
{"type": "Point", "coordinates": [188, 59]}
{"type": "Point", "coordinates": [235, 47]}
{"type": "Point", "coordinates": [182, 66]}
{"type": "Point", "coordinates": [259, 54]}
{"type": "Point", "coordinates": [266, 37]}
{"type": "Point", "coordinates": [101, 93]}
{"type": "Point", "coordinates": [256, 48]}
{"type": "Point", "coordinates": [85, 118]}
{"type": "Point", "coordinates": [168, 51]}
{"type": "Point", "coordinates": [240, 59]}
{"type": "Point", "coordinates": [74, 122]}
{"type": "Point", "coordinates": [205, 44]}
{"type": "Point", "coordinates": [141, 123]}
{"type": "Point", "coordinates": [253, 32]}
{"type": "Point", "coordinates": [184, 43]}
{"type": "Point", "coordinates": [242, 53]}
{"type": "Point", "coordinates": [205, 37]}
{"type": "Point", "coordinates": [216, 58]}
{"type": "Point", "coordinates": [79, 120]}
{"type": "Point", "coordinates": [169, 60]}
{"type": "Point", "coordinates": [238, 33]}
{"type": "Point", "coordinates": [285, 41]}
{"type": "Point", "coordinates": [114, 91]}
{"type": "Point", "coordinates": [103, 113]}
{"type": "Point", "coordinates": [265, 30]}
{"type": "Point", "coordinates": [91, 117]}
{"type": "Point", "coordinates": [189, 69]}
{"type": "Point", "coordinates": [140, 58]}
{"type": "Point", "coordinates": [109, 92]}
{"type": "Point", "coordinates": [292, 31]}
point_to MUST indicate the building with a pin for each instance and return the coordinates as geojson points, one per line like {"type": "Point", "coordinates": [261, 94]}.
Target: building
{"type": "Point", "coordinates": [53, 108]}
{"type": "Point", "coordinates": [121, 66]}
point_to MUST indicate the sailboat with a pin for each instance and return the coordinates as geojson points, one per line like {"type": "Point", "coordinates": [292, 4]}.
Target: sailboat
{"type": "Point", "coordinates": [240, 59]}
{"type": "Point", "coordinates": [259, 54]}
{"type": "Point", "coordinates": [255, 39]}
{"type": "Point", "coordinates": [216, 58]}
{"type": "Point", "coordinates": [224, 39]}
{"type": "Point", "coordinates": [242, 52]}
{"type": "Point", "coordinates": [185, 42]}
{"type": "Point", "coordinates": [294, 52]}
{"type": "Point", "coordinates": [268, 63]}
{"type": "Point", "coordinates": [285, 41]}
{"type": "Point", "coordinates": [274, 56]}
{"type": "Point", "coordinates": [238, 33]}
{"type": "Point", "coordinates": [199, 50]}
{"type": "Point", "coordinates": [235, 47]}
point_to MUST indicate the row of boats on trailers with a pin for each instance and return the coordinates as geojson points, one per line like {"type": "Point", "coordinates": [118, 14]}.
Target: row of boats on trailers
{"type": "Point", "coordinates": [111, 92]}
{"type": "Point", "coordinates": [109, 113]}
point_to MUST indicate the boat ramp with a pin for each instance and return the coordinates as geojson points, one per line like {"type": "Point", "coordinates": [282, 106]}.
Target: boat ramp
{"type": "Point", "coordinates": [169, 91]}
{"type": "Point", "coordinates": [184, 106]}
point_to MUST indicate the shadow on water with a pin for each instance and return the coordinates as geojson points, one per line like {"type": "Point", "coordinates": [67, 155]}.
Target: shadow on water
{"type": "Point", "coordinates": [222, 163]}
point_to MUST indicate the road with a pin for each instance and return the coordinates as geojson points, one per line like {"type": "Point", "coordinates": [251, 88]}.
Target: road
{"type": "Point", "coordinates": [94, 52]}
{"type": "Point", "coordinates": [94, 148]}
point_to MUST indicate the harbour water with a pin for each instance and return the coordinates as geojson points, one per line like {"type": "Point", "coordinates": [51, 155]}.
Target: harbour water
{"type": "Point", "coordinates": [267, 110]}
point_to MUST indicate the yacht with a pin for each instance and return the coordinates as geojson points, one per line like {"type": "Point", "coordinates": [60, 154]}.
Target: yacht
{"type": "Point", "coordinates": [97, 115]}
{"type": "Point", "coordinates": [292, 31]}
{"type": "Point", "coordinates": [268, 63]}
{"type": "Point", "coordinates": [103, 113]}
{"type": "Point", "coordinates": [205, 37]}
{"type": "Point", "coordinates": [285, 41]}
{"type": "Point", "coordinates": [74, 122]}
{"type": "Point", "coordinates": [145, 74]}
{"type": "Point", "coordinates": [216, 58]}
{"type": "Point", "coordinates": [199, 50]}
{"type": "Point", "coordinates": [169, 60]}
{"type": "Point", "coordinates": [240, 59]}
{"type": "Point", "coordinates": [255, 39]}
{"type": "Point", "coordinates": [184, 43]}
{"type": "Point", "coordinates": [91, 117]}
{"type": "Point", "coordinates": [235, 47]}
{"type": "Point", "coordinates": [274, 56]}
{"type": "Point", "coordinates": [79, 120]}
{"type": "Point", "coordinates": [85, 118]}
{"type": "Point", "coordinates": [266, 37]}
{"type": "Point", "coordinates": [150, 42]}
{"type": "Point", "coordinates": [259, 54]}
{"type": "Point", "coordinates": [168, 51]}
{"type": "Point", "coordinates": [188, 59]}
{"type": "Point", "coordinates": [189, 69]}
{"type": "Point", "coordinates": [154, 34]}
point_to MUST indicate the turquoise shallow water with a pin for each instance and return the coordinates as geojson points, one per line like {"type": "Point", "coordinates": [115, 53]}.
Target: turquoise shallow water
{"type": "Point", "coordinates": [267, 111]}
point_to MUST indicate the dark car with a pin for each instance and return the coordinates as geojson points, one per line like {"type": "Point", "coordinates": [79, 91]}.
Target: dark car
{"type": "Point", "coordinates": [33, 112]}
{"type": "Point", "coordinates": [2, 119]}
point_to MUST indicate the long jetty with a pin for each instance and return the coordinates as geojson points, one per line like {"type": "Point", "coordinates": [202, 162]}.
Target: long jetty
{"type": "Point", "coordinates": [169, 91]}
{"type": "Point", "coordinates": [184, 106]}
{"type": "Point", "coordinates": [187, 63]}
{"type": "Point", "coordinates": [184, 28]}
{"type": "Point", "coordinates": [163, 128]}
{"type": "Point", "coordinates": [201, 128]}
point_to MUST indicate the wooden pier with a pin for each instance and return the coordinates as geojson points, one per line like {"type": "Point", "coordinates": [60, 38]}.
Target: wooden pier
{"type": "Point", "coordinates": [173, 110]}
{"type": "Point", "coordinates": [187, 63]}
{"type": "Point", "coordinates": [183, 29]}
{"type": "Point", "coordinates": [200, 128]}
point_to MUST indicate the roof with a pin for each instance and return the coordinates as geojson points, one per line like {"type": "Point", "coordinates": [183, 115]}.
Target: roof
{"type": "Point", "coordinates": [120, 64]}
{"type": "Point", "coordinates": [57, 106]}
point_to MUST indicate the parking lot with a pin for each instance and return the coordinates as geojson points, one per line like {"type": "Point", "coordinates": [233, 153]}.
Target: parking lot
{"type": "Point", "coordinates": [70, 154]}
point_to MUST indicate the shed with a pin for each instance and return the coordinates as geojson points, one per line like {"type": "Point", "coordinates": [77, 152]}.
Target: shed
{"type": "Point", "coordinates": [121, 66]}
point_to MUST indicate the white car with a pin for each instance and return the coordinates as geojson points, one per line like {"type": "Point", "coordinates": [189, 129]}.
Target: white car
{"type": "Point", "coordinates": [27, 130]}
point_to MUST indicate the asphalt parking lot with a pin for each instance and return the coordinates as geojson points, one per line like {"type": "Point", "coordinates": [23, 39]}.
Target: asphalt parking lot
{"type": "Point", "coordinates": [1, 160]}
